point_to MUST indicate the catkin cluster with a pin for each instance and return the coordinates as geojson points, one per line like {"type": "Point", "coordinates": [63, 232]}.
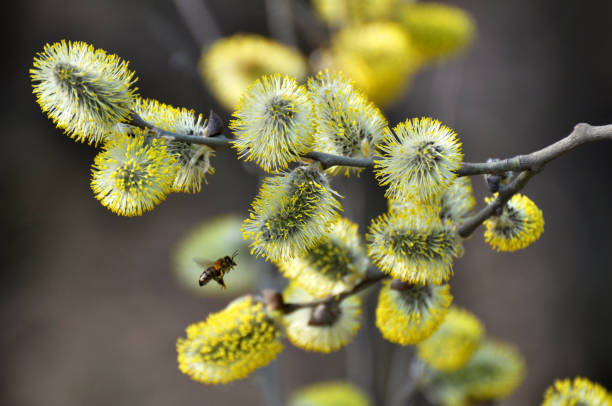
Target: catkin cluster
{"type": "Point", "coordinates": [295, 221]}
{"type": "Point", "coordinates": [91, 96]}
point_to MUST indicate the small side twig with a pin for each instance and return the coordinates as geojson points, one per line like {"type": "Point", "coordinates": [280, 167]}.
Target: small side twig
{"type": "Point", "coordinates": [505, 193]}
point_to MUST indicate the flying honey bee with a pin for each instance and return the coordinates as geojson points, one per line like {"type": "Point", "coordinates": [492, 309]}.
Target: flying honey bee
{"type": "Point", "coordinates": [216, 270]}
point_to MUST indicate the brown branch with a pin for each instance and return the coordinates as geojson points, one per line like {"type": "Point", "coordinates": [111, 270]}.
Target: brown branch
{"type": "Point", "coordinates": [372, 277]}
{"type": "Point", "coordinates": [529, 165]}
{"type": "Point", "coordinates": [534, 161]}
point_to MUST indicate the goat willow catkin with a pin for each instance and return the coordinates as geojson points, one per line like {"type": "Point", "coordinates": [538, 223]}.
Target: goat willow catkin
{"type": "Point", "coordinates": [133, 174]}
{"type": "Point", "coordinates": [192, 160]}
{"type": "Point", "coordinates": [232, 64]}
{"type": "Point", "coordinates": [519, 224]}
{"type": "Point", "coordinates": [494, 371]}
{"type": "Point", "coordinates": [230, 344]}
{"type": "Point", "coordinates": [291, 213]}
{"type": "Point", "coordinates": [413, 246]}
{"type": "Point", "coordinates": [273, 123]}
{"type": "Point", "coordinates": [347, 123]}
{"type": "Point", "coordinates": [336, 393]}
{"type": "Point", "coordinates": [324, 328]}
{"type": "Point", "coordinates": [419, 161]}
{"type": "Point", "coordinates": [579, 391]}
{"type": "Point", "coordinates": [335, 264]}
{"type": "Point", "coordinates": [411, 313]}
{"type": "Point", "coordinates": [453, 343]}
{"type": "Point", "coordinates": [84, 90]}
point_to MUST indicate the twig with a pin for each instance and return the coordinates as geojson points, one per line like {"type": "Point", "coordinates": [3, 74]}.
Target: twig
{"type": "Point", "coordinates": [534, 162]}
{"type": "Point", "coordinates": [505, 193]}
{"type": "Point", "coordinates": [372, 277]}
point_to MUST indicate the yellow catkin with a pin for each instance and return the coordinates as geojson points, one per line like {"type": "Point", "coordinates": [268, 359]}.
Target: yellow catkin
{"type": "Point", "coordinates": [290, 214]}
{"type": "Point", "coordinates": [414, 245]}
{"type": "Point", "coordinates": [437, 29]}
{"type": "Point", "coordinates": [273, 123]}
{"type": "Point", "coordinates": [577, 392]}
{"type": "Point", "coordinates": [419, 161]}
{"type": "Point", "coordinates": [453, 343]}
{"type": "Point", "coordinates": [378, 56]}
{"type": "Point", "coordinates": [348, 124]}
{"type": "Point", "coordinates": [84, 90]}
{"type": "Point", "coordinates": [332, 266]}
{"type": "Point", "coordinates": [330, 394]}
{"type": "Point", "coordinates": [192, 160]}
{"type": "Point", "coordinates": [132, 175]}
{"type": "Point", "coordinates": [321, 338]}
{"type": "Point", "coordinates": [520, 223]}
{"type": "Point", "coordinates": [230, 344]}
{"type": "Point", "coordinates": [411, 315]}
{"type": "Point", "coordinates": [232, 64]}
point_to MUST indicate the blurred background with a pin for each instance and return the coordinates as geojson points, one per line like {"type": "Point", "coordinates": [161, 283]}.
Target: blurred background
{"type": "Point", "coordinates": [90, 307]}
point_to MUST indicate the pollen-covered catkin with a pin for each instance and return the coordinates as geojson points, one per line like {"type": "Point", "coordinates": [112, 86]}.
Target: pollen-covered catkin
{"type": "Point", "coordinates": [230, 344]}
{"type": "Point", "coordinates": [378, 56]}
{"type": "Point", "coordinates": [452, 345]}
{"type": "Point", "coordinates": [274, 122]}
{"type": "Point", "coordinates": [133, 174]}
{"type": "Point", "coordinates": [419, 161]}
{"type": "Point", "coordinates": [519, 224]}
{"type": "Point", "coordinates": [411, 314]}
{"type": "Point", "coordinates": [291, 213]}
{"type": "Point", "coordinates": [325, 328]}
{"type": "Point", "coordinates": [437, 30]}
{"type": "Point", "coordinates": [414, 246]}
{"type": "Point", "coordinates": [330, 394]}
{"type": "Point", "coordinates": [347, 123]}
{"type": "Point", "coordinates": [335, 264]}
{"type": "Point", "coordinates": [192, 160]}
{"type": "Point", "coordinates": [84, 90]}
{"type": "Point", "coordinates": [232, 64]}
{"type": "Point", "coordinates": [493, 372]}
{"type": "Point", "coordinates": [579, 391]}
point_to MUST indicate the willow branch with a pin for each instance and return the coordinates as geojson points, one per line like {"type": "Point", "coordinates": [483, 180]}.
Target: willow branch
{"type": "Point", "coordinates": [534, 162]}
{"type": "Point", "coordinates": [373, 276]}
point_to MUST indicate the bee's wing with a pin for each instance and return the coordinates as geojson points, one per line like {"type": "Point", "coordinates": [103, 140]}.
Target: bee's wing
{"type": "Point", "coordinates": [203, 262]}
